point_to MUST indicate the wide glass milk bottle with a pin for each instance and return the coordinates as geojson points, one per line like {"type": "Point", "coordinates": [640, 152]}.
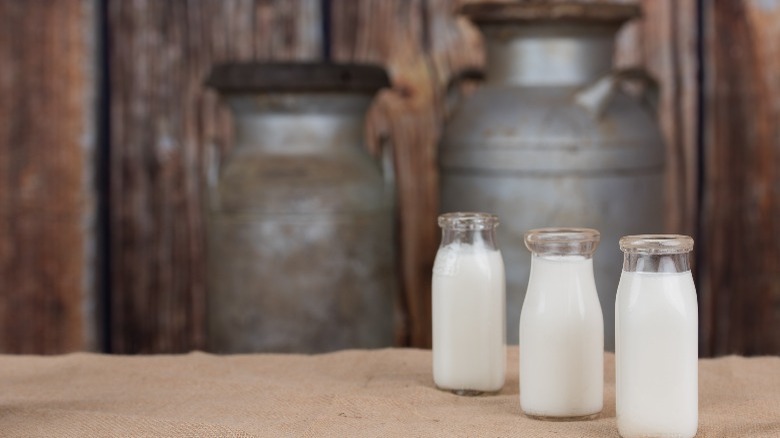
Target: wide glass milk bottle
{"type": "Point", "coordinates": [561, 328]}
{"type": "Point", "coordinates": [469, 289]}
{"type": "Point", "coordinates": [656, 338]}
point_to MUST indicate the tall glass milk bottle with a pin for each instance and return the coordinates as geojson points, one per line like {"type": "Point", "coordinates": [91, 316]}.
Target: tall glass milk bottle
{"type": "Point", "coordinates": [656, 338]}
{"type": "Point", "coordinates": [469, 306]}
{"type": "Point", "coordinates": [561, 328]}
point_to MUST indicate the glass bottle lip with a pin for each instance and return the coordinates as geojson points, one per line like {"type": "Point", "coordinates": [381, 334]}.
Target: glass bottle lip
{"type": "Point", "coordinates": [562, 241]}
{"type": "Point", "coordinates": [656, 244]}
{"type": "Point", "coordinates": [464, 221]}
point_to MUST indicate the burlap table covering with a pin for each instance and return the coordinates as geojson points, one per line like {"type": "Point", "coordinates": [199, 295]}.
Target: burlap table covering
{"type": "Point", "coordinates": [351, 393]}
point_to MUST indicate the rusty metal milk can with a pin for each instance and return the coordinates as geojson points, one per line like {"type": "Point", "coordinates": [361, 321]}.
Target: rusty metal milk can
{"type": "Point", "coordinates": [300, 221]}
{"type": "Point", "coordinates": [550, 139]}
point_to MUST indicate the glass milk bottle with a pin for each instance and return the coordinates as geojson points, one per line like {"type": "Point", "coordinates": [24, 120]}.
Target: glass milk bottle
{"type": "Point", "coordinates": [469, 307]}
{"type": "Point", "coordinates": [561, 328]}
{"type": "Point", "coordinates": [656, 338]}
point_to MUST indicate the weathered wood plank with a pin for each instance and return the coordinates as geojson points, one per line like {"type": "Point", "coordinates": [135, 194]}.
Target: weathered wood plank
{"type": "Point", "coordinates": [165, 126]}
{"type": "Point", "coordinates": [391, 33]}
{"type": "Point", "coordinates": [666, 45]}
{"type": "Point", "coordinates": [47, 197]}
{"type": "Point", "coordinates": [740, 236]}
{"type": "Point", "coordinates": [421, 43]}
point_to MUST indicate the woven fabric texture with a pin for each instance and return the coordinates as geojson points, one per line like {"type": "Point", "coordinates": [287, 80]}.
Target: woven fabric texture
{"type": "Point", "coordinates": [350, 393]}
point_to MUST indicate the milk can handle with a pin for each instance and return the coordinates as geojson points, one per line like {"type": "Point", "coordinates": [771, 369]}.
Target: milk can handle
{"type": "Point", "coordinates": [596, 97]}
{"type": "Point", "coordinates": [210, 182]}
{"type": "Point", "coordinates": [387, 163]}
{"type": "Point", "coordinates": [453, 95]}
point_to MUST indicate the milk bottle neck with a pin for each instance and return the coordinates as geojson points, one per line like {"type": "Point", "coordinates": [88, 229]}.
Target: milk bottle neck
{"type": "Point", "coordinates": [469, 228]}
{"type": "Point", "coordinates": [300, 123]}
{"type": "Point", "coordinates": [561, 276]}
{"type": "Point", "coordinates": [660, 253]}
{"type": "Point", "coordinates": [561, 257]}
{"type": "Point", "coordinates": [481, 238]}
{"type": "Point", "coordinates": [547, 54]}
{"type": "Point", "coordinates": [658, 263]}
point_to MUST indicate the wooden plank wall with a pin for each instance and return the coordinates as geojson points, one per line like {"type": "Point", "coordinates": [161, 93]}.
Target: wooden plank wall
{"type": "Point", "coordinates": [47, 197]}
{"type": "Point", "coordinates": [166, 130]}
{"type": "Point", "coordinates": [164, 126]}
{"type": "Point", "coordinates": [740, 217]}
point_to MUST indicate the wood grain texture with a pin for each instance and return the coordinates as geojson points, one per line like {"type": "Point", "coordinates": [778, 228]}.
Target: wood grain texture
{"type": "Point", "coordinates": [664, 43]}
{"type": "Point", "coordinates": [47, 200]}
{"type": "Point", "coordinates": [740, 231]}
{"type": "Point", "coordinates": [166, 129]}
{"type": "Point", "coordinates": [421, 43]}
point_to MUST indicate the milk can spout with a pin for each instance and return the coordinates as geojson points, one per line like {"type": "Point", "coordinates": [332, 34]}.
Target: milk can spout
{"type": "Point", "coordinates": [596, 96]}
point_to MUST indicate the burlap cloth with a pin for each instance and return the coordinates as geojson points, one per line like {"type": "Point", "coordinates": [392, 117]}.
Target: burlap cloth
{"type": "Point", "coordinates": [350, 393]}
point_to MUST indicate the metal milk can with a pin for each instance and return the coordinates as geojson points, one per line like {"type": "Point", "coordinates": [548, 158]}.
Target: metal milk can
{"type": "Point", "coordinates": [551, 140]}
{"type": "Point", "coordinates": [300, 221]}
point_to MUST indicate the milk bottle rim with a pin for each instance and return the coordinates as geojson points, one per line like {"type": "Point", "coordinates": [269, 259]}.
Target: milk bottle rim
{"type": "Point", "coordinates": [656, 244]}
{"type": "Point", "coordinates": [562, 241]}
{"type": "Point", "coordinates": [465, 221]}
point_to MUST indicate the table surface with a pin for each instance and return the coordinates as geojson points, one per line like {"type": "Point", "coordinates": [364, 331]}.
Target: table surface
{"type": "Point", "coordinates": [350, 393]}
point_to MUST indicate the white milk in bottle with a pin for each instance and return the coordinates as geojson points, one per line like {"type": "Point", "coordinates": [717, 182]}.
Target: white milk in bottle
{"type": "Point", "coordinates": [561, 328]}
{"type": "Point", "coordinates": [469, 337]}
{"type": "Point", "coordinates": [656, 339]}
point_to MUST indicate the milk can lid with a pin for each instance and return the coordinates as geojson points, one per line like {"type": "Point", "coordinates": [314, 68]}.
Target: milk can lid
{"type": "Point", "coordinates": [505, 12]}
{"type": "Point", "coordinates": [297, 77]}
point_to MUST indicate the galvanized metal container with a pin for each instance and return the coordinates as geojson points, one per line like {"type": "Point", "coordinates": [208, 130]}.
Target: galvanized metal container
{"type": "Point", "coordinates": [550, 139]}
{"type": "Point", "coordinates": [300, 220]}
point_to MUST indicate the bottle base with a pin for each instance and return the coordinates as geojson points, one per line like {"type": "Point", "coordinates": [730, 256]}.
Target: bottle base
{"type": "Point", "coordinates": [564, 418]}
{"type": "Point", "coordinates": [467, 392]}
{"type": "Point", "coordinates": [645, 433]}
